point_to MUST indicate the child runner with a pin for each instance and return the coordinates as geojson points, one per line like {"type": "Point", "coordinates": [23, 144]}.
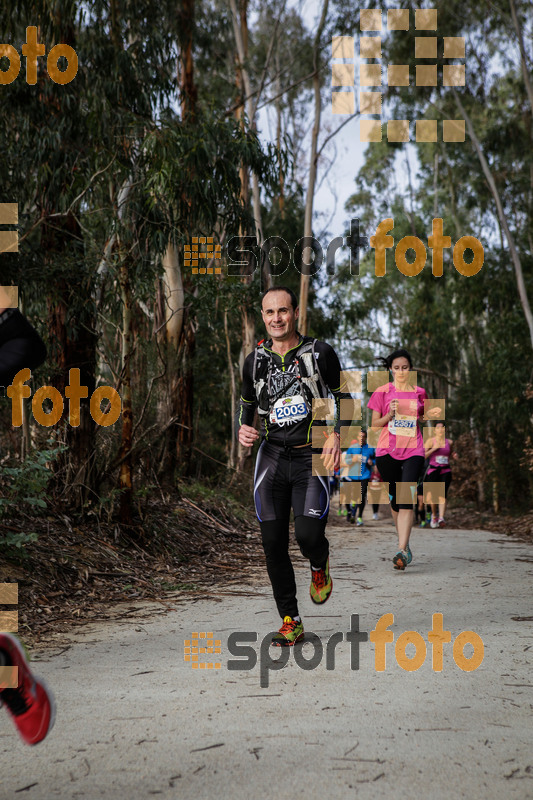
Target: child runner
{"type": "Point", "coordinates": [397, 408]}
{"type": "Point", "coordinates": [360, 458]}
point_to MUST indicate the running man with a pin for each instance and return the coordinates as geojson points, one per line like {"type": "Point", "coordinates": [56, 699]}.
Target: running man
{"type": "Point", "coordinates": [438, 450]}
{"type": "Point", "coordinates": [360, 459]}
{"type": "Point", "coordinates": [397, 408]}
{"type": "Point", "coordinates": [31, 704]}
{"type": "Point", "coordinates": [281, 378]}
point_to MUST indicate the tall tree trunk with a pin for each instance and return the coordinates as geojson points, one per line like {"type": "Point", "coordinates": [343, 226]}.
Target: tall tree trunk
{"type": "Point", "coordinates": [240, 29]}
{"type": "Point", "coordinates": [502, 216]}
{"type": "Point", "coordinates": [71, 318]}
{"type": "Point", "coordinates": [170, 318]}
{"type": "Point", "coordinates": [188, 91]}
{"type": "Point", "coordinates": [233, 392]}
{"type": "Point", "coordinates": [182, 390]}
{"type": "Point", "coordinates": [74, 347]}
{"type": "Point", "coordinates": [126, 474]}
{"type": "Point", "coordinates": [308, 223]}
{"type": "Point", "coordinates": [523, 55]}
{"type": "Point", "coordinates": [479, 466]}
{"type": "Point", "coordinates": [278, 139]}
{"type": "Point", "coordinates": [495, 473]}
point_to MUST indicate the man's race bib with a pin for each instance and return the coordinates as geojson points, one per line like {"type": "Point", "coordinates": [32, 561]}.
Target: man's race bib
{"type": "Point", "coordinates": [402, 425]}
{"type": "Point", "coordinates": [442, 460]}
{"type": "Point", "coordinates": [289, 409]}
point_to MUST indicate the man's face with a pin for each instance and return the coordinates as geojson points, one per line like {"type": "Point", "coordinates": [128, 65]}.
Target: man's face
{"type": "Point", "coordinates": [362, 439]}
{"type": "Point", "coordinates": [279, 316]}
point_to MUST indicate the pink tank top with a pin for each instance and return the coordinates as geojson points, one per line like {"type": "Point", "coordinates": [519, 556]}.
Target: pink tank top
{"type": "Point", "coordinates": [441, 458]}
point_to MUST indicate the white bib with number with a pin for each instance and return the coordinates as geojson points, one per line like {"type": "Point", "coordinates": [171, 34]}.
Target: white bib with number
{"type": "Point", "coordinates": [402, 425]}
{"type": "Point", "coordinates": [442, 460]}
{"type": "Point", "coordinates": [289, 409]}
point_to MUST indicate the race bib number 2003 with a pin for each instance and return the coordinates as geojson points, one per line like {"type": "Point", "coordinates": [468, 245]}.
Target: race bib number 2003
{"type": "Point", "coordinates": [289, 409]}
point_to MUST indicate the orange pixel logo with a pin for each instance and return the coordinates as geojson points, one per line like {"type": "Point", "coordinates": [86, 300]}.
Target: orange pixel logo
{"type": "Point", "coordinates": [373, 74]}
{"type": "Point", "coordinates": [9, 240]}
{"type": "Point", "coordinates": [9, 623]}
{"type": "Point", "coordinates": [192, 254]}
{"type": "Point", "coordinates": [202, 644]}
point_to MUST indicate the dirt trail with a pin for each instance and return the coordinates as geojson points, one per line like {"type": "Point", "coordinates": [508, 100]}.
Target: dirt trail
{"type": "Point", "coordinates": [135, 720]}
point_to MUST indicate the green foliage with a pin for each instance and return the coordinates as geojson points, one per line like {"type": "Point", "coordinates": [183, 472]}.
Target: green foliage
{"type": "Point", "coordinates": [24, 486]}
{"type": "Point", "coordinates": [24, 490]}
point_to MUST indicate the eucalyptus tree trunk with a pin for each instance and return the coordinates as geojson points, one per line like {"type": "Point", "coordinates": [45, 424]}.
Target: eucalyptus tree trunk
{"type": "Point", "coordinates": [502, 216]}
{"type": "Point", "coordinates": [526, 70]}
{"type": "Point", "coordinates": [240, 29]}
{"type": "Point", "coordinates": [180, 333]}
{"type": "Point", "coordinates": [233, 392]}
{"type": "Point", "coordinates": [126, 444]}
{"type": "Point", "coordinates": [308, 223]}
{"type": "Point", "coordinates": [74, 346]}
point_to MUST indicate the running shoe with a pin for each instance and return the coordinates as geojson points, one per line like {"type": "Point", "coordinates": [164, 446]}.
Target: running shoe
{"type": "Point", "coordinates": [375, 516]}
{"type": "Point", "coordinates": [409, 554]}
{"type": "Point", "coordinates": [441, 522]}
{"type": "Point", "coordinates": [359, 521]}
{"type": "Point", "coordinates": [31, 705]}
{"type": "Point", "coordinates": [400, 560]}
{"type": "Point", "coordinates": [290, 632]}
{"type": "Point", "coordinates": [321, 584]}
{"type": "Point", "coordinates": [434, 522]}
{"type": "Point", "coordinates": [424, 524]}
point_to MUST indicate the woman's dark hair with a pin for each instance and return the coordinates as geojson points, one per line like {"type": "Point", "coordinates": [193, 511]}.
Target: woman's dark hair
{"type": "Point", "coordinates": [294, 299]}
{"type": "Point", "coordinates": [400, 353]}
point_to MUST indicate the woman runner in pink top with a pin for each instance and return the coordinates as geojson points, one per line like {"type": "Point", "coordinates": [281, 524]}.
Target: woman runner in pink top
{"type": "Point", "coordinates": [439, 449]}
{"type": "Point", "coordinates": [397, 408]}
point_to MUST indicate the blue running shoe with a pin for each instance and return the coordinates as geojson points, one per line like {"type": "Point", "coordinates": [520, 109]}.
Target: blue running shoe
{"type": "Point", "coordinates": [400, 559]}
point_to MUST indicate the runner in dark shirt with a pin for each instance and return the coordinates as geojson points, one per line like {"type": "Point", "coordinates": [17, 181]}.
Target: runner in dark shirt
{"type": "Point", "coordinates": [285, 379]}
{"type": "Point", "coordinates": [27, 699]}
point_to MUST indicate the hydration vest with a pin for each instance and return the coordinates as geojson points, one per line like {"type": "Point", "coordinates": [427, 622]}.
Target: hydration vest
{"type": "Point", "coordinates": [307, 376]}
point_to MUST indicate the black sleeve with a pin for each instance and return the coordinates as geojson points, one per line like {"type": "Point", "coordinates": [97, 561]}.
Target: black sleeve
{"type": "Point", "coordinates": [247, 400]}
{"type": "Point", "coordinates": [20, 347]}
{"type": "Point", "coordinates": [330, 369]}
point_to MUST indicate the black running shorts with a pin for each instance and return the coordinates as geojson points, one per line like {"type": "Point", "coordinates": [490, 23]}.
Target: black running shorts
{"type": "Point", "coordinates": [284, 478]}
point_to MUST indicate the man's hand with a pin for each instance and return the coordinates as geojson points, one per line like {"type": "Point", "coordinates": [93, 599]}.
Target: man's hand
{"type": "Point", "coordinates": [247, 435]}
{"type": "Point", "coordinates": [331, 452]}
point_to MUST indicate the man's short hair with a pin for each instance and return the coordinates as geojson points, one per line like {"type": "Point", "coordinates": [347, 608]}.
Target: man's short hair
{"type": "Point", "coordinates": [294, 299]}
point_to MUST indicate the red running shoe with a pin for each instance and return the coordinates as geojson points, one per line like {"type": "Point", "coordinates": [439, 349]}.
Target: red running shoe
{"type": "Point", "coordinates": [31, 705]}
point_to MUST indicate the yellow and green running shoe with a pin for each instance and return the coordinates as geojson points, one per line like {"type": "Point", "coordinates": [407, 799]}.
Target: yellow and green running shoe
{"type": "Point", "coordinates": [321, 584]}
{"type": "Point", "coordinates": [290, 632]}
